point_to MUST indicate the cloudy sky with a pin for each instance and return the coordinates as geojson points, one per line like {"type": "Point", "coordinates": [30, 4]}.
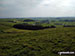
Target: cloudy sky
{"type": "Point", "coordinates": [37, 8]}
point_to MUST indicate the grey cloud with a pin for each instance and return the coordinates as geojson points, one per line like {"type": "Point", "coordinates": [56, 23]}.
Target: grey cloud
{"type": "Point", "coordinates": [28, 8]}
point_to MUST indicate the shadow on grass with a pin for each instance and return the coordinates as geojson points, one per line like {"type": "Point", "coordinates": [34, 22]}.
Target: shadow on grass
{"type": "Point", "coordinates": [31, 27]}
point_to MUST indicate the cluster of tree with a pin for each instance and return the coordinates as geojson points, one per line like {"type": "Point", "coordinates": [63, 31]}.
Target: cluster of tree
{"type": "Point", "coordinates": [31, 27]}
{"type": "Point", "coordinates": [28, 20]}
{"type": "Point", "coordinates": [69, 25]}
{"type": "Point", "coordinates": [67, 20]}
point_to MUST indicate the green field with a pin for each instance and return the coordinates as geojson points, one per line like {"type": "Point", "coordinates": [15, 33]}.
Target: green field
{"type": "Point", "coordinates": [46, 42]}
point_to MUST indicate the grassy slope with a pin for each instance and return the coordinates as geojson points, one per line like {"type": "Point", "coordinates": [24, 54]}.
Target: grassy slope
{"type": "Point", "coordinates": [47, 42]}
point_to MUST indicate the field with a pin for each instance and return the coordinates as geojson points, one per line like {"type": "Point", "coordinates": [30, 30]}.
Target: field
{"type": "Point", "coordinates": [45, 42]}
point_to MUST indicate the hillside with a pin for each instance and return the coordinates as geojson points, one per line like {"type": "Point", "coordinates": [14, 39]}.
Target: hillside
{"type": "Point", "coordinates": [46, 42]}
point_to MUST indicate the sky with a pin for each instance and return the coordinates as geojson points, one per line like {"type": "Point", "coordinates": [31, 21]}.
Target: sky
{"type": "Point", "coordinates": [37, 8]}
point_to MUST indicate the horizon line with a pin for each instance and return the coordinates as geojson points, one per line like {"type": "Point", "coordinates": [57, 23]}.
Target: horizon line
{"type": "Point", "coordinates": [34, 17]}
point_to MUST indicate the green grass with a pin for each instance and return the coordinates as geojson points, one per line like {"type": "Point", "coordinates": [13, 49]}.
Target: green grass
{"type": "Point", "coordinates": [47, 42]}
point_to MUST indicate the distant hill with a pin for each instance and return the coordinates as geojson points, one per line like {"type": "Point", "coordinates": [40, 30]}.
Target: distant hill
{"type": "Point", "coordinates": [42, 18]}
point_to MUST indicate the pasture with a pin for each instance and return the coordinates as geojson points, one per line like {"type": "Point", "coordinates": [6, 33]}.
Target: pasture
{"type": "Point", "coordinates": [45, 42]}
